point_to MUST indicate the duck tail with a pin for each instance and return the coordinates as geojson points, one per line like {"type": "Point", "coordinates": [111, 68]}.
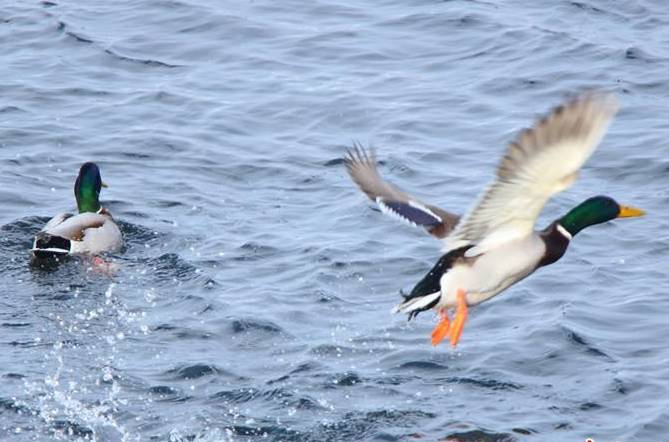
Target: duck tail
{"type": "Point", "coordinates": [416, 304]}
{"type": "Point", "coordinates": [47, 245]}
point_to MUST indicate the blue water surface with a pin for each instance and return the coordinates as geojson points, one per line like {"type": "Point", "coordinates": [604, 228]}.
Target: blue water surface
{"type": "Point", "coordinates": [253, 297]}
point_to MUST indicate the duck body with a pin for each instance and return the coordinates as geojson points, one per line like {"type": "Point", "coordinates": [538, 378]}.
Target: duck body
{"type": "Point", "coordinates": [92, 231]}
{"type": "Point", "coordinates": [486, 275]}
{"type": "Point", "coordinates": [84, 233]}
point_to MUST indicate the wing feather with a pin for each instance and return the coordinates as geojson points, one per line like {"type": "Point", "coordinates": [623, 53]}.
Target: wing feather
{"type": "Point", "coordinates": [541, 162]}
{"type": "Point", "coordinates": [361, 167]}
{"type": "Point", "coordinates": [56, 220]}
{"type": "Point", "coordinates": [76, 227]}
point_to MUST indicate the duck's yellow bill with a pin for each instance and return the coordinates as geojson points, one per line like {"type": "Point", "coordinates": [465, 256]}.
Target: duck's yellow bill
{"type": "Point", "coordinates": [104, 185]}
{"type": "Point", "coordinates": [630, 212]}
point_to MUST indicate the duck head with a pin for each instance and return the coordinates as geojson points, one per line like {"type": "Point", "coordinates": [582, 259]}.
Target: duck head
{"type": "Point", "coordinates": [596, 210]}
{"type": "Point", "coordinates": [87, 188]}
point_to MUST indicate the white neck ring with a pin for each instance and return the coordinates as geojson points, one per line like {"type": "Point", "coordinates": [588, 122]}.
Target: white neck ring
{"type": "Point", "coordinates": [564, 232]}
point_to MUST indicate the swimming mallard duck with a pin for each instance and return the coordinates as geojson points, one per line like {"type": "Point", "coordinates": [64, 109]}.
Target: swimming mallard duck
{"type": "Point", "coordinates": [495, 245]}
{"type": "Point", "coordinates": [91, 231]}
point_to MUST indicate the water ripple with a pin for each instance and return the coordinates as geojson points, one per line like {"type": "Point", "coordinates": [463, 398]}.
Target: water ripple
{"type": "Point", "coordinates": [256, 281]}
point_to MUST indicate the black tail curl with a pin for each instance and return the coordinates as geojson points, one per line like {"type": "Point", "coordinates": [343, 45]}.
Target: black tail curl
{"type": "Point", "coordinates": [48, 246]}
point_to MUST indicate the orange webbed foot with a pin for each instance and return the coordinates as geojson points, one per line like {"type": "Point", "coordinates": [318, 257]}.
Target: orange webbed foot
{"type": "Point", "coordinates": [441, 330]}
{"type": "Point", "coordinates": [99, 265]}
{"type": "Point", "coordinates": [459, 320]}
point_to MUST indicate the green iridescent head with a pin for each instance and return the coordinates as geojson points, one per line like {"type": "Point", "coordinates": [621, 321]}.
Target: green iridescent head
{"type": "Point", "coordinates": [596, 210]}
{"type": "Point", "coordinates": [87, 188]}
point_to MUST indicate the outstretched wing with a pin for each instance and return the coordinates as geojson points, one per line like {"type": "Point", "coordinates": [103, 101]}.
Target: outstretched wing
{"type": "Point", "coordinates": [541, 162]}
{"type": "Point", "coordinates": [392, 201]}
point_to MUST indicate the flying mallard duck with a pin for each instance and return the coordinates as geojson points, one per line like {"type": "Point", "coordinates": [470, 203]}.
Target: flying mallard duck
{"type": "Point", "coordinates": [495, 245]}
{"type": "Point", "coordinates": [91, 231]}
